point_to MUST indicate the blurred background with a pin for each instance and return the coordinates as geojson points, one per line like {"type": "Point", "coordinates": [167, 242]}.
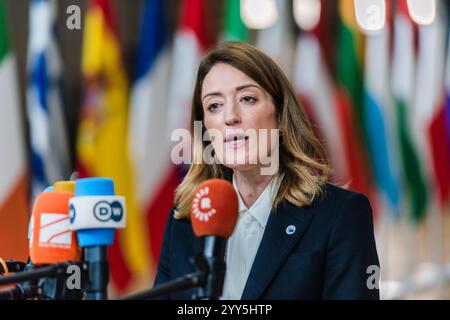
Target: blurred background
{"type": "Point", "coordinates": [97, 86]}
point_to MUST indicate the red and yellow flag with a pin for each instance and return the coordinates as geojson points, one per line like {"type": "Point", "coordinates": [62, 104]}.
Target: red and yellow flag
{"type": "Point", "coordinates": [102, 149]}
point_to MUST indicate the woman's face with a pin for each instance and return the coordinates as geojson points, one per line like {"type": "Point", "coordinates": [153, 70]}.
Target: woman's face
{"type": "Point", "coordinates": [239, 115]}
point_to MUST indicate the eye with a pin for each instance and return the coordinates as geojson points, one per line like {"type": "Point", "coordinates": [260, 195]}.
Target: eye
{"type": "Point", "coordinates": [248, 100]}
{"type": "Point", "coordinates": [213, 107]}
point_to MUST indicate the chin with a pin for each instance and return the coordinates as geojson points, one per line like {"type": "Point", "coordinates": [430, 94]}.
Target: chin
{"type": "Point", "coordinates": [239, 160]}
{"type": "Point", "coordinates": [246, 166]}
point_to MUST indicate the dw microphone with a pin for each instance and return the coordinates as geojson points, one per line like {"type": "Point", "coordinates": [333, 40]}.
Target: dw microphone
{"type": "Point", "coordinates": [95, 213]}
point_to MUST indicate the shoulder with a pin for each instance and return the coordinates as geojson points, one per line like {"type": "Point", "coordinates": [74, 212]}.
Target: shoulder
{"type": "Point", "coordinates": [349, 243]}
{"type": "Point", "coordinates": [349, 217]}
{"type": "Point", "coordinates": [179, 236]}
{"type": "Point", "coordinates": [334, 198]}
{"type": "Point", "coordinates": [174, 223]}
{"type": "Point", "coordinates": [339, 206]}
{"type": "Point", "coordinates": [335, 194]}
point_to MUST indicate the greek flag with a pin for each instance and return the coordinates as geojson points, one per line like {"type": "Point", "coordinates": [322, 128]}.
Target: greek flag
{"type": "Point", "coordinates": [46, 118]}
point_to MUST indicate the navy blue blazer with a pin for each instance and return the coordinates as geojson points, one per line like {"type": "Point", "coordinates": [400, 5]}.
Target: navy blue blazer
{"type": "Point", "coordinates": [327, 257]}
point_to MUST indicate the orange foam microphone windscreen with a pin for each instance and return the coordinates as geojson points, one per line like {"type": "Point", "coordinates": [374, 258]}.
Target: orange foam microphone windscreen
{"type": "Point", "coordinates": [51, 239]}
{"type": "Point", "coordinates": [215, 209]}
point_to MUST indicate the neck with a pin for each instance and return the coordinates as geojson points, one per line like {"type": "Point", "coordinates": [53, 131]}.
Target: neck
{"type": "Point", "coordinates": [250, 185]}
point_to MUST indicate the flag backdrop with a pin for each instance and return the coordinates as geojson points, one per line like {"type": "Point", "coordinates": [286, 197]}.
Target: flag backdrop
{"type": "Point", "coordinates": [314, 85]}
{"type": "Point", "coordinates": [403, 70]}
{"type": "Point", "coordinates": [149, 139]}
{"type": "Point", "coordinates": [350, 99]}
{"type": "Point", "coordinates": [234, 28]}
{"type": "Point", "coordinates": [383, 115]}
{"type": "Point", "coordinates": [14, 210]}
{"type": "Point", "coordinates": [437, 132]}
{"type": "Point", "coordinates": [191, 41]}
{"type": "Point", "coordinates": [189, 44]}
{"type": "Point", "coordinates": [102, 148]}
{"type": "Point", "coordinates": [278, 40]}
{"type": "Point", "coordinates": [378, 118]}
{"type": "Point", "coordinates": [428, 114]}
{"type": "Point", "coordinates": [447, 85]}
{"type": "Point", "coordinates": [46, 115]}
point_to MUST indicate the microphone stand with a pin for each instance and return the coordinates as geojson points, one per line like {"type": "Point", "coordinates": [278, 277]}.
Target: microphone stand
{"type": "Point", "coordinates": [96, 258]}
{"type": "Point", "coordinates": [48, 271]}
{"type": "Point", "coordinates": [56, 288]}
{"type": "Point", "coordinates": [21, 292]}
{"type": "Point", "coordinates": [189, 281]}
{"type": "Point", "coordinates": [29, 289]}
{"type": "Point", "coordinates": [47, 283]}
{"type": "Point", "coordinates": [208, 280]}
{"type": "Point", "coordinates": [212, 264]}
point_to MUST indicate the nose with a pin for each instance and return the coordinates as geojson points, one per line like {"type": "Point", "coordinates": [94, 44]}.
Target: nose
{"type": "Point", "coordinates": [232, 116]}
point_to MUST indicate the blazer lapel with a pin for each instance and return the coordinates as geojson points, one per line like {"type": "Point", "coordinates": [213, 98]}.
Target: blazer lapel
{"type": "Point", "coordinates": [275, 246]}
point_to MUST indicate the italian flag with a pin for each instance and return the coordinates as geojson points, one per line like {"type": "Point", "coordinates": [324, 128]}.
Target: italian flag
{"type": "Point", "coordinates": [13, 165]}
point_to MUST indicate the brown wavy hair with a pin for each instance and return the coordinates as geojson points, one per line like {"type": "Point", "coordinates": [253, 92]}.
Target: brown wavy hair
{"type": "Point", "coordinates": [302, 157]}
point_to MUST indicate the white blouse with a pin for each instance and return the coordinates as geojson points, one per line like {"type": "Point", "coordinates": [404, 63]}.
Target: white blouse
{"type": "Point", "coordinates": [244, 242]}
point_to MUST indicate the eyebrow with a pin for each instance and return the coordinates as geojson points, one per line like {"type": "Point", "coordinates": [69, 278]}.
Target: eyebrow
{"type": "Point", "coordinates": [217, 93]}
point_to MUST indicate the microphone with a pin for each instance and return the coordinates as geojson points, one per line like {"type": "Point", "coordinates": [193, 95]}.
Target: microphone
{"type": "Point", "coordinates": [51, 242]}
{"type": "Point", "coordinates": [67, 186]}
{"type": "Point", "coordinates": [95, 213]}
{"type": "Point", "coordinates": [55, 243]}
{"type": "Point", "coordinates": [214, 214]}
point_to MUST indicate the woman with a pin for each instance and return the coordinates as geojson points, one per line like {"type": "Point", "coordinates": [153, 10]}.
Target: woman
{"type": "Point", "coordinates": [297, 236]}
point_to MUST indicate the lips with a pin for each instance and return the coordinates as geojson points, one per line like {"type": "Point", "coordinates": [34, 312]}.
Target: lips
{"type": "Point", "coordinates": [236, 140]}
{"type": "Point", "coordinates": [235, 137]}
